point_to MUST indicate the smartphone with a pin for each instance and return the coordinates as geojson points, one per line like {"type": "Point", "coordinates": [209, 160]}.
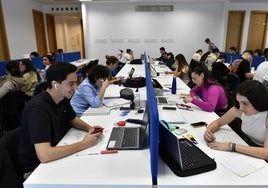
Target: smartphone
{"type": "Point", "coordinates": [96, 130]}
{"type": "Point", "coordinates": [199, 124]}
{"type": "Point", "coordinates": [169, 108]}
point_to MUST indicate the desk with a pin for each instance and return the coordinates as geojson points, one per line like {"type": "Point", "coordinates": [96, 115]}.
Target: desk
{"type": "Point", "coordinates": [81, 63]}
{"type": "Point", "coordinates": [124, 169]}
{"type": "Point", "coordinates": [132, 168]}
{"type": "Point", "coordinates": [221, 176]}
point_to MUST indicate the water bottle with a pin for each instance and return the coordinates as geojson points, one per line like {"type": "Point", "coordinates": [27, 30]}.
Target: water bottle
{"type": "Point", "coordinates": [137, 99]}
{"type": "Point", "coordinates": [174, 85]}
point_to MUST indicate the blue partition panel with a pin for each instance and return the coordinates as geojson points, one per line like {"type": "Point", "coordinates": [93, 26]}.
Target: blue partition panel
{"type": "Point", "coordinates": [59, 58]}
{"type": "Point", "coordinates": [257, 60]}
{"type": "Point", "coordinates": [38, 62]}
{"type": "Point", "coordinates": [153, 122]}
{"type": "Point", "coordinates": [2, 68]}
{"type": "Point", "coordinates": [71, 56]}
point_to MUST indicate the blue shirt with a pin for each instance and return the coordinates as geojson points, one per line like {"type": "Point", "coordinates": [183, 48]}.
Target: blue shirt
{"type": "Point", "coordinates": [85, 96]}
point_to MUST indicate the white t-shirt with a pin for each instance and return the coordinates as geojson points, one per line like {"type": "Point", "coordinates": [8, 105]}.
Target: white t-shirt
{"type": "Point", "coordinates": [261, 73]}
{"type": "Point", "coordinates": [125, 58]}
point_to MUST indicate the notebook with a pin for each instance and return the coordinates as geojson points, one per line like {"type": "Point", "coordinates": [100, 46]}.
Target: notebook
{"type": "Point", "coordinates": [181, 155]}
{"type": "Point", "coordinates": [128, 138]}
{"type": "Point", "coordinates": [123, 80]}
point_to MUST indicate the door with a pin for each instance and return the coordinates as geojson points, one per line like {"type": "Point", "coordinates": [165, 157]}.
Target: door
{"type": "Point", "coordinates": [4, 49]}
{"type": "Point", "coordinates": [257, 30]}
{"type": "Point", "coordinates": [40, 33]}
{"type": "Point", "coordinates": [51, 33]}
{"type": "Point", "coordinates": [235, 30]}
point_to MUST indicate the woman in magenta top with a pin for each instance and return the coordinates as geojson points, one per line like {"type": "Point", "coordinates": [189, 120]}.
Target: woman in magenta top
{"type": "Point", "coordinates": [207, 94]}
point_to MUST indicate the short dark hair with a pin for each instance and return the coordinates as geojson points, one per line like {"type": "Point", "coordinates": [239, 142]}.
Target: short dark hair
{"type": "Point", "coordinates": [97, 72]}
{"type": "Point", "coordinates": [162, 48]}
{"type": "Point", "coordinates": [207, 40]}
{"type": "Point", "coordinates": [255, 92]}
{"type": "Point", "coordinates": [59, 71]}
{"type": "Point", "coordinates": [13, 68]}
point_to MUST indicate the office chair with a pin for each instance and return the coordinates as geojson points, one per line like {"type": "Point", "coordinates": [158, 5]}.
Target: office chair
{"type": "Point", "coordinates": [10, 110]}
{"type": "Point", "coordinates": [11, 174]}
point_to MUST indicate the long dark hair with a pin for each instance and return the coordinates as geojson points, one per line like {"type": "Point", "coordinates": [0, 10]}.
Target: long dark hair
{"type": "Point", "coordinates": [29, 67]}
{"type": "Point", "coordinates": [255, 92]}
{"type": "Point", "coordinates": [208, 79]}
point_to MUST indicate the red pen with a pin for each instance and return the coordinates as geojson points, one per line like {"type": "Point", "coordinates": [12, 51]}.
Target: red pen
{"type": "Point", "coordinates": [109, 151]}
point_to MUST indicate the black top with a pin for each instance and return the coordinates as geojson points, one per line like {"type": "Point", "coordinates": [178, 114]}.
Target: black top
{"type": "Point", "coordinates": [244, 67]}
{"type": "Point", "coordinates": [42, 121]}
{"type": "Point", "coordinates": [220, 71]}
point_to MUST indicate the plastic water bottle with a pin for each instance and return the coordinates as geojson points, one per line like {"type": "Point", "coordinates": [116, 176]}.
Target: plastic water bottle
{"type": "Point", "coordinates": [174, 86]}
{"type": "Point", "coordinates": [137, 99]}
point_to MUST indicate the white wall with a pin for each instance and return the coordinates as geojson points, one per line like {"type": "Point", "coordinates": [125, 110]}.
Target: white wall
{"type": "Point", "coordinates": [181, 31]}
{"type": "Point", "coordinates": [19, 26]}
{"type": "Point", "coordinates": [108, 27]}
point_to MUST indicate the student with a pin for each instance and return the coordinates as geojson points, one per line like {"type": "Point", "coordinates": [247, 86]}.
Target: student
{"type": "Point", "coordinates": [47, 118]}
{"type": "Point", "coordinates": [211, 45]}
{"type": "Point", "coordinates": [182, 68]}
{"type": "Point", "coordinates": [47, 61]}
{"type": "Point", "coordinates": [220, 70]}
{"type": "Point", "coordinates": [112, 64]}
{"type": "Point", "coordinates": [233, 50]}
{"type": "Point", "coordinates": [91, 91]}
{"type": "Point", "coordinates": [213, 95]}
{"type": "Point", "coordinates": [162, 50]}
{"type": "Point", "coordinates": [243, 70]}
{"type": "Point", "coordinates": [12, 81]}
{"type": "Point", "coordinates": [252, 108]}
{"type": "Point", "coordinates": [261, 74]}
{"type": "Point", "coordinates": [31, 76]}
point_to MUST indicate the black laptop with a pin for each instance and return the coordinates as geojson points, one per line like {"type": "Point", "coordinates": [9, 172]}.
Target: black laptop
{"type": "Point", "coordinates": [129, 138]}
{"type": "Point", "coordinates": [181, 155]}
{"type": "Point", "coordinates": [123, 80]}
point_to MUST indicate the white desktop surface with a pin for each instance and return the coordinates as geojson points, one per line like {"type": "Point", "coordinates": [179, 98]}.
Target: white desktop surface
{"type": "Point", "coordinates": [221, 176]}
{"type": "Point", "coordinates": [81, 62]}
{"type": "Point", "coordinates": [132, 168]}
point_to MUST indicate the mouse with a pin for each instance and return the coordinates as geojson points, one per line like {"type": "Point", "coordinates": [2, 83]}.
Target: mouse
{"type": "Point", "coordinates": [121, 123]}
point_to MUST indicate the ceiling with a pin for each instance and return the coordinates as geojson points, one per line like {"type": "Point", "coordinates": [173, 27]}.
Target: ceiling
{"type": "Point", "coordinates": [141, 1]}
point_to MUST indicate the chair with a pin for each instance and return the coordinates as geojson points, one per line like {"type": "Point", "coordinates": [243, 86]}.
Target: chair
{"type": "Point", "coordinates": [10, 110]}
{"type": "Point", "coordinates": [41, 86]}
{"type": "Point", "coordinates": [232, 82]}
{"type": "Point", "coordinates": [11, 174]}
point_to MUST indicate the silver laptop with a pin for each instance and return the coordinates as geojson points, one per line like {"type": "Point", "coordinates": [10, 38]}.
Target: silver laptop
{"type": "Point", "coordinates": [129, 138]}
{"type": "Point", "coordinates": [161, 100]}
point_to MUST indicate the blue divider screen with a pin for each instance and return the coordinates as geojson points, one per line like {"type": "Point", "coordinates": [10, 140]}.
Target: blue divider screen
{"type": "Point", "coordinates": [38, 62]}
{"type": "Point", "coordinates": [257, 60]}
{"type": "Point", "coordinates": [153, 122]}
{"type": "Point", "coordinates": [2, 68]}
{"type": "Point", "coordinates": [72, 56]}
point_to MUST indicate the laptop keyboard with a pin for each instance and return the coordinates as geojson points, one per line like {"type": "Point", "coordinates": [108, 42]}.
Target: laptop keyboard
{"type": "Point", "coordinates": [130, 137]}
{"type": "Point", "coordinates": [162, 100]}
{"type": "Point", "coordinates": [189, 155]}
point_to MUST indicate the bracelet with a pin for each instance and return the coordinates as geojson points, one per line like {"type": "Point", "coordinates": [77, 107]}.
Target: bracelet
{"type": "Point", "coordinates": [233, 147]}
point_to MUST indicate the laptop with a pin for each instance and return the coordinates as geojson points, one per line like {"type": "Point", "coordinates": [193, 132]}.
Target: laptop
{"type": "Point", "coordinates": [129, 138]}
{"type": "Point", "coordinates": [123, 80]}
{"type": "Point", "coordinates": [161, 100]}
{"type": "Point", "coordinates": [182, 156]}
{"type": "Point", "coordinates": [156, 84]}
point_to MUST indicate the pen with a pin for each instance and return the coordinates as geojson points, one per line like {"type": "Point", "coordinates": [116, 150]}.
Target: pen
{"type": "Point", "coordinates": [109, 151]}
{"type": "Point", "coordinates": [85, 154]}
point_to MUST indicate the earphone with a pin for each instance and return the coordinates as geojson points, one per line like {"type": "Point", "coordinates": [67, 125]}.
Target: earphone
{"type": "Point", "coordinates": [56, 86]}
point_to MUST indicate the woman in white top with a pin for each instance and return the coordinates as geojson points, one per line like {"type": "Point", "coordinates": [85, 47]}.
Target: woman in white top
{"type": "Point", "coordinates": [251, 106]}
{"type": "Point", "coordinates": [127, 57]}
